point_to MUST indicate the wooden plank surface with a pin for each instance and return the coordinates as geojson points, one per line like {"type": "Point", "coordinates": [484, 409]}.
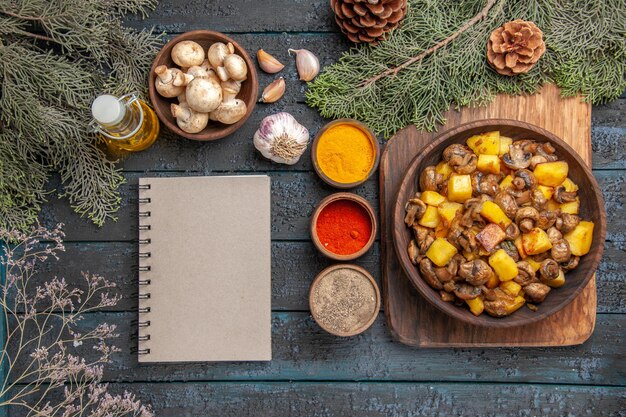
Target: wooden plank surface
{"type": "Point", "coordinates": [416, 322]}
{"type": "Point", "coordinates": [302, 351]}
{"type": "Point", "coordinates": [314, 399]}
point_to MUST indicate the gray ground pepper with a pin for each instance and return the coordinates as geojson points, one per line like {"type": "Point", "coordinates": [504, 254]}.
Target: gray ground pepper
{"type": "Point", "coordinates": [344, 300]}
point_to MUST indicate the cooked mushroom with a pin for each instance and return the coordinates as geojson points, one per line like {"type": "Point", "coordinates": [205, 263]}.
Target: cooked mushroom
{"type": "Point", "coordinates": [449, 286]}
{"type": "Point", "coordinates": [423, 237]}
{"type": "Point", "coordinates": [415, 209]}
{"type": "Point", "coordinates": [413, 252]}
{"type": "Point", "coordinates": [521, 197]}
{"type": "Point", "coordinates": [526, 218]}
{"type": "Point", "coordinates": [554, 235]}
{"type": "Point", "coordinates": [507, 203]}
{"type": "Point", "coordinates": [525, 274]}
{"type": "Point", "coordinates": [562, 196]}
{"type": "Point", "coordinates": [549, 270]}
{"type": "Point", "coordinates": [484, 184]}
{"type": "Point", "coordinates": [516, 158]}
{"type": "Point", "coordinates": [468, 241]}
{"type": "Point", "coordinates": [448, 272]}
{"type": "Point", "coordinates": [571, 263]}
{"type": "Point", "coordinates": [466, 291]}
{"type": "Point", "coordinates": [538, 200]}
{"type": "Point", "coordinates": [547, 151]}
{"type": "Point", "coordinates": [446, 296]}
{"type": "Point", "coordinates": [560, 251]}
{"type": "Point", "coordinates": [546, 219]}
{"type": "Point", "coordinates": [536, 292]}
{"type": "Point", "coordinates": [512, 231]}
{"type": "Point", "coordinates": [476, 272]}
{"type": "Point", "coordinates": [536, 160]}
{"type": "Point", "coordinates": [428, 273]}
{"type": "Point", "coordinates": [510, 249]}
{"type": "Point", "coordinates": [524, 179]}
{"type": "Point", "coordinates": [460, 158]}
{"type": "Point", "coordinates": [566, 222]}
{"type": "Point", "coordinates": [430, 179]}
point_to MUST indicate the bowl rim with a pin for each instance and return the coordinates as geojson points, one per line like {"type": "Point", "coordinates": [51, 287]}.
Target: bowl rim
{"type": "Point", "coordinates": [373, 140]}
{"type": "Point", "coordinates": [336, 197]}
{"type": "Point", "coordinates": [323, 273]}
{"type": "Point", "coordinates": [431, 295]}
{"type": "Point", "coordinates": [226, 130]}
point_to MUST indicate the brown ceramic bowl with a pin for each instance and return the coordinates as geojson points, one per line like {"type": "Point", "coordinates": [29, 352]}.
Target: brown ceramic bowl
{"type": "Point", "coordinates": [343, 196]}
{"type": "Point", "coordinates": [315, 309]}
{"type": "Point", "coordinates": [214, 130]}
{"type": "Point", "coordinates": [591, 208]}
{"type": "Point", "coordinates": [373, 140]}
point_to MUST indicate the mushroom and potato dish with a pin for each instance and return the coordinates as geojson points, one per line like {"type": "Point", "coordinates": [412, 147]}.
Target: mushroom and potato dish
{"type": "Point", "coordinates": [496, 224]}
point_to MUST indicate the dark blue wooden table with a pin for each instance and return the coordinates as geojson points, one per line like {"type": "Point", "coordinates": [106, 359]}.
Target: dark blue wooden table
{"type": "Point", "coordinates": [313, 373]}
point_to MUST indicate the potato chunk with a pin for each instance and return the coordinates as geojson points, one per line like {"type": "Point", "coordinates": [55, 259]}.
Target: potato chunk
{"type": "Point", "coordinates": [489, 164]}
{"type": "Point", "coordinates": [569, 185]}
{"type": "Point", "coordinates": [441, 251]}
{"type": "Point", "coordinates": [432, 198]}
{"type": "Point", "coordinates": [551, 174]}
{"type": "Point", "coordinates": [504, 145]}
{"type": "Point", "coordinates": [492, 212]}
{"type": "Point", "coordinates": [444, 169]}
{"type": "Point", "coordinates": [504, 266]}
{"type": "Point", "coordinates": [459, 188]}
{"type": "Point", "coordinates": [511, 287]}
{"type": "Point", "coordinates": [507, 182]}
{"type": "Point", "coordinates": [515, 305]}
{"type": "Point", "coordinates": [447, 211]}
{"type": "Point", "coordinates": [485, 143]}
{"type": "Point", "coordinates": [580, 238]}
{"type": "Point", "coordinates": [571, 207]}
{"type": "Point", "coordinates": [546, 191]}
{"type": "Point", "coordinates": [536, 241]}
{"type": "Point", "coordinates": [476, 306]}
{"type": "Point", "coordinates": [490, 236]}
{"type": "Point", "coordinates": [430, 218]}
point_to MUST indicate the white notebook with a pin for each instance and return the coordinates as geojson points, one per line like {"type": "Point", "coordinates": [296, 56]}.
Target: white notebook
{"type": "Point", "coordinates": [204, 269]}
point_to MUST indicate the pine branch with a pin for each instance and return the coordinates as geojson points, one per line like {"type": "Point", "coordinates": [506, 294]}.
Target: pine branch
{"type": "Point", "coordinates": [467, 25]}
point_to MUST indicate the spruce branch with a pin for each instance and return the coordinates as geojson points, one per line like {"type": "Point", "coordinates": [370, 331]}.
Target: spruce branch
{"type": "Point", "coordinates": [441, 44]}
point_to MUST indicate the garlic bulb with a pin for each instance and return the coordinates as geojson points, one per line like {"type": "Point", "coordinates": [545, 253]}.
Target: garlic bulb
{"type": "Point", "coordinates": [307, 63]}
{"type": "Point", "coordinates": [281, 138]}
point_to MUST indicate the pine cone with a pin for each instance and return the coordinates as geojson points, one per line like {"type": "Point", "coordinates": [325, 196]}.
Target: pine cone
{"type": "Point", "coordinates": [368, 20]}
{"type": "Point", "coordinates": [515, 47]}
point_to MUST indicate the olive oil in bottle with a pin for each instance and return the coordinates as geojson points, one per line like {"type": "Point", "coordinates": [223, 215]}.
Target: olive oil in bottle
{"type": "Point", "coordinates": [125, 123]}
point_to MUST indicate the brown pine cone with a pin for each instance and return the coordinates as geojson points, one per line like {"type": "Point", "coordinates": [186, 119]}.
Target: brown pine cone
{"type": "Point", "coordinates": [368, 20]}
{"type": "Point", "coordinates": [515, 47]}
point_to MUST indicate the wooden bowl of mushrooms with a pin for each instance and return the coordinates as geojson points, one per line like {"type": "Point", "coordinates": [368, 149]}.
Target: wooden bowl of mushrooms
{"type": "Point", "coordinates": [203, 85]}
{"type": "Point", "coordinates": [499, 223]}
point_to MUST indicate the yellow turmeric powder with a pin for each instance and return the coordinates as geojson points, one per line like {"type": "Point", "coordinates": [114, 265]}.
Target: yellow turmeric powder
{"type": "Point", "coordinates": [345, 153]}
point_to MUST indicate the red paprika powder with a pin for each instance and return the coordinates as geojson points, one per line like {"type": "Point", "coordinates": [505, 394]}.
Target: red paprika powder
{"type": "Point", "coordinates": [343, 227]}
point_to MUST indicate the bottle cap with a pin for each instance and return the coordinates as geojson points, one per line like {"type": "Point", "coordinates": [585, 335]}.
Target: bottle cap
{"type": "Point", "coordinates": [108, 110]}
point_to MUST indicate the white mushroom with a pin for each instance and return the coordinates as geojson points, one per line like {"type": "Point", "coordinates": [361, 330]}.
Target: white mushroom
{"type": "Point", "coordinates": [170, 82]}
{"type": "Point", "coordinates": [187, 54]}
{"type": "Point", "coordinates": [216, 54]}
{"type": "Point", "coordinates": [189, 120]}
{"type": "Point", "coordinates": [198, 72]}
{"type": "Point", "coordinates": [230, 89]}
{"type": "Point", "coordinates": [229, 112]}
{"type": "Point", "coordinates": [235, 67]}
{"type": "Point", "coordinates": [204, 94]}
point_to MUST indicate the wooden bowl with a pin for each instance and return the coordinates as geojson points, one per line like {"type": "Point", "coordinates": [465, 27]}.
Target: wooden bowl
{"type": "Point", "coordinates": [370, 135]}
{"type": "Point", "coordinates": [315, 308]}
{"type": "Point", "coordinates": [591, 208]}
{"type": "Point", "coordinates": [214, 130]}
{"type": "Point", "coordinates": [350, 197]}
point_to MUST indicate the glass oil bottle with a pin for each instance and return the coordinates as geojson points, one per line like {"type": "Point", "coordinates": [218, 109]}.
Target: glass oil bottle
{"type": "Point", "coordinates": [125, 123]}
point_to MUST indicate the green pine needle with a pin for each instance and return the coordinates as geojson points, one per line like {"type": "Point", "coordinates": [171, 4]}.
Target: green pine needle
{"type": "Point", "coordinates": [586, 54]}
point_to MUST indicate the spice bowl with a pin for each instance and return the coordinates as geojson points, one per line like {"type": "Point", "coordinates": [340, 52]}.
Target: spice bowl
{"type": "Point", "coordinates": [214, 130]}
{"type": "Point", "coordinates": [345, 153]}
{"type": "Point", "coordinates": [343, 226]}
{"type": "Point", "coordinates": [344, 300]}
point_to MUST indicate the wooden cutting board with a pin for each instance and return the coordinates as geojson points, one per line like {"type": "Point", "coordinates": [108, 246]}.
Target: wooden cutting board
{"type": "Point", "coordinates": [412, 320]}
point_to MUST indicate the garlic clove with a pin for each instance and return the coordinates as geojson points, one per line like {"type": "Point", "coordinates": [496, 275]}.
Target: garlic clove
{"type": "Point", "coordinates": [274, 91]}
{"type": "Point", "coordinates": [229, 112]}
{"type": "Point", "coordinates": [307, 63]}
{"type": "Point", "coordinates": [216, 54]}
{"type": "Point", "coordinates": [187, 54]}
{"type": "Point", "coordinates": [268, 63]}
{"type": "Point", "coordinates": [236, 67]}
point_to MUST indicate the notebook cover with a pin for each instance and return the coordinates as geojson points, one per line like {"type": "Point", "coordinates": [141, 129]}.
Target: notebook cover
{"type": "Point", "coordinates": [209, 269]}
